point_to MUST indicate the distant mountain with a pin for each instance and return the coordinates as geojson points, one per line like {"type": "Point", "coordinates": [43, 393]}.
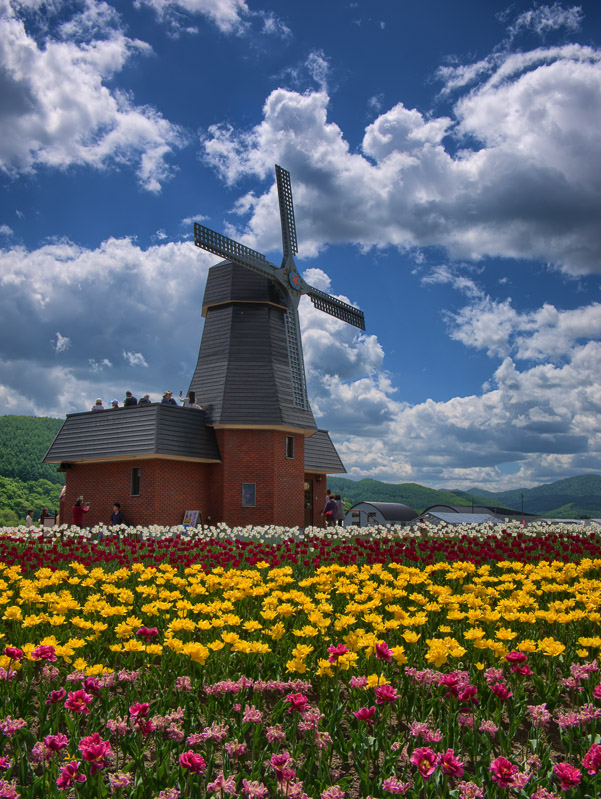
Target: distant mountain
{"type": "Point", "coordinates": [568, 498]}
{"type": "Point", "coordinates": [412, 494]}
{"type": "Point", "coordinates": [574, 497]}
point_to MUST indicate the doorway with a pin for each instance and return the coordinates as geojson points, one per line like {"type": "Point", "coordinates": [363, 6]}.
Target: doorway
{"type": "Point", "coordinates": [308, 503]}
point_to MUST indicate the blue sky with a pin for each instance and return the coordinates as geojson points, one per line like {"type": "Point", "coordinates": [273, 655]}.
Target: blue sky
{"type": "Point", "coordinates": [446, 168]}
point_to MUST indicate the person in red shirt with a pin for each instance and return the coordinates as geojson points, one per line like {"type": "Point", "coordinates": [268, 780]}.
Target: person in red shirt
{"type": "Point", "coordinates": [78, 511]}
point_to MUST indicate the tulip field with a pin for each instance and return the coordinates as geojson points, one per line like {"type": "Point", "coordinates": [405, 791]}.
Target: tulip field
{"type": "Point", "coordinates": [420, 662]}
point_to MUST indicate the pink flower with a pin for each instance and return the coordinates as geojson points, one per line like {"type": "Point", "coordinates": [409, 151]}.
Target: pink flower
{"type": "Point", "coordinates": [568, 776]}
{"type": "Point", "coordinates": [385, 694]}
{"type": "Point", "coordinates": [251, 713]}
{"type": "Point", "coordinates": [597, 692]}
{"type": "Point", "coordinates": [503, 771]}
{"type": "Point", "coordinates": [383, 652]}
{"type": "Point", "coordinates": [449, 764]}
{"type": "Point", "coordinates": [426, 760]}
{"type": "Point", "coordinates": [56, 742]}
{"type": "Point", "coordinates": [395, 786]}
{"type": "Point", "coordinates": [183, 684]}
{"type": "Point", "coordinates": [336, 652]}
{"type": "Point", "coordinates": [10, 726]}
{"type": "Point", "coordinates": [69, 775]}
{"type": "Point", "coordinates": [44, 653]}
{"type": "Point", "coordinates": [254, 790]}
{"type": "Point", "coordinates": [78, 701]}
{"type": "Point", "coordinates": [365, 714]}
{"type": "Point", "coordinates": [592, 760]}
{"type": "Point", "coordinates": [95, 751]}
{"type": "Point", "coordinates": [516, 657]}
{"type": "Point", "coordinates": [539, 714]}
{"type": "Point", "coordinates": [297, 702]}
{"type": "Point", "coordinates": [4, 764]}
{"type": "Point", "coordinates": [192, 761]}
{"type": "Point", "coordinates": [490, 727]}
{"type": "Point", "coordinates": [138, 711]}
{"type": "Point", "coordinates": [148, 633]}
{"type": "Point", "coordinates": [119, 780]}
{"type": "Point", "coordinates": [469, 790]}
{"type": "Point", "coordinates": [8, 790]}
{"type": "Point", "coordinates": [223, 785]}
{"type": "Point", "coordinates": [333, 792]}
{"type": "Point", "coordinates": [56, 696]}
{"type": "Point", "coordinates": [13, 652]}
{"type": "Point", "coordinates": [501, 690]}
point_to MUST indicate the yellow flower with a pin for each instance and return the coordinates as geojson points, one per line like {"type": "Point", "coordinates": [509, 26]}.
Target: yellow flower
{"type": "Point", "coordinates": [549, 646]}
{"type": "Point", "coordinates": [276, 631]}
{"type": "Point", "coordinates": [398, 653]}
{"type": "Point", "coordinates": [13, 613]}
{"type": "Point", "coordinates": [411, 637]}
{"type": "Point", "coordinates": [296, 665]}
{"type": "Point", "coordinates": [216, 645]}
{"type": "Point", "coordinates": [324, 668]}
{"type": "Point", "coordinates": [133, 646]}
{"type": "Point", "coordinates": [197, 652]}
{"type": "Point", "coordinates": [376, 679]}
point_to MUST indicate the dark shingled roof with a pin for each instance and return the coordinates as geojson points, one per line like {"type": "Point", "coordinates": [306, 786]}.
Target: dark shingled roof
{"type": "Point", "coordinates": [391, 511]}
{"type": "Point", "coordinates": [141, 430]}
{"type": "Point", "coordinates": [321, 455]}
{"type": "Point", "coordinates": [243, 376]}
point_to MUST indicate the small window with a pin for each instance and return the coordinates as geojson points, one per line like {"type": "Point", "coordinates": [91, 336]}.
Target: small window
{"type": "Point", "coordinates": [249, 495]}
{"type": "Point", "coordinates": [290, 446]}
{"type": "Point", "coordinates": [136, 475]}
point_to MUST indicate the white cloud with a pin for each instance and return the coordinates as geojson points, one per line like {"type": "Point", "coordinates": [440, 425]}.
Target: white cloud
{"type": "Point", "coordinates": [544, 19]}
{"type": "Point", "coordinates": [62, 343]}
{"type": "Point", "coordinates": [121, 298]}
{"type": "Point", "coordinates": [526, 183]}
{"type": "Point", "coordinates": [5, 230]}
{"type": "Point", "coordinates": [58, 110]}
{"type": "Point", "coordinates": [228, 15]}
{"type": "Point", "coordinates": [135, 358]}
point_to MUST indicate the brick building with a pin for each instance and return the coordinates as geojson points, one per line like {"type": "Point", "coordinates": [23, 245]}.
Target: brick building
{"type": "Point", "coordinates": [252, 456]}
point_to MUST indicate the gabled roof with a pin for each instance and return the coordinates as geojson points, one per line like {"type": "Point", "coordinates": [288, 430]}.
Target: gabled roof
{"type": "Point", "coordinates": [321, 455]}
{"type": "Point", "coordinates": [138, 431]}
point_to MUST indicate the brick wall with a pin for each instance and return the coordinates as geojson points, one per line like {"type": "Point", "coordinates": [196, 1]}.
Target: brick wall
{"type": "Point", "coordinates": [259, 457]}
{"type": "Point", "coordinates": [167, 489]}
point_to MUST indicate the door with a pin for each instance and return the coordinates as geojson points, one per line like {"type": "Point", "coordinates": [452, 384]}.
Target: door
{"type": "Point", "coordinates": [308, 503]}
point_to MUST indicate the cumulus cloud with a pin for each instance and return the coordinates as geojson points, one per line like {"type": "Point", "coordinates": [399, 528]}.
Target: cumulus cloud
{"type": "Point", "coordinates": [135, 358]}
{"type": "Point", "coordinates": [122, 300]}
{"type": "Point", "coordinates": [513, 171]}
{"type": "Point", "coordinates": [58, 110]}
{"type": "Point", "coordinates": [231, 17]}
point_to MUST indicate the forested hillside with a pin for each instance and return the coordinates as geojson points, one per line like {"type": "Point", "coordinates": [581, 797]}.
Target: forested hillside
{"type": "Point", "coordinates": [25, 482]}
{"type": "Point", "coordinates": [24, 440]}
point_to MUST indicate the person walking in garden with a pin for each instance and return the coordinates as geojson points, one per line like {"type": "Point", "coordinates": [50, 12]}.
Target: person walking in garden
{"type": "Point", "coordinates": [29, 518]}
{"type": "Point", "coordinates": [340, 514]}
{"type": "Point", "coordinates": [79, 509]}
{"type": "Point", "coordinates": [330, 511]}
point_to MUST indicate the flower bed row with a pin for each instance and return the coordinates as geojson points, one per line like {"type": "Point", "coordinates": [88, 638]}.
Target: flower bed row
{"type": "Point", "coordinates": [301, 678]}
{"type": "Point", "coordinates": [245, 547]}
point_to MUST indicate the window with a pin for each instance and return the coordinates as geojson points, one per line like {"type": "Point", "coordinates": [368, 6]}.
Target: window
{"type": "Point", "coordinates": [290, 446]}
{"type": "Point", "coordinates": [136, 475]}
{"type": "Point", "coordinates": [249, 495]}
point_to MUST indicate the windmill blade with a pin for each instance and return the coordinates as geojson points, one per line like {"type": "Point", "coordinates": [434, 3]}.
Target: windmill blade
{"type": "Point", "coordinates": [209, 240]}
{"type": "Point", "coordinates": [295, 358]}
{"type": "Point", "coordinates": [341, 310]}
{"type": "Point", "coordinates": [289, 244]}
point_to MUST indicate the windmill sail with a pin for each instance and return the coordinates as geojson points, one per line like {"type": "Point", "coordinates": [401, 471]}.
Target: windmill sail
{"type": "Point", "coordinates": [289, 243]}
{"type": "Point", "coordinates": [209, 240]}
{"type": "Point", "coordinates": [289, 284]}
{"type": "Point", "coordinates": [338, 308]}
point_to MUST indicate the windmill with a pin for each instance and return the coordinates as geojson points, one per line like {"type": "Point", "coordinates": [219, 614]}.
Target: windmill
{"type": "Point", "coordinates": [288, 283]}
